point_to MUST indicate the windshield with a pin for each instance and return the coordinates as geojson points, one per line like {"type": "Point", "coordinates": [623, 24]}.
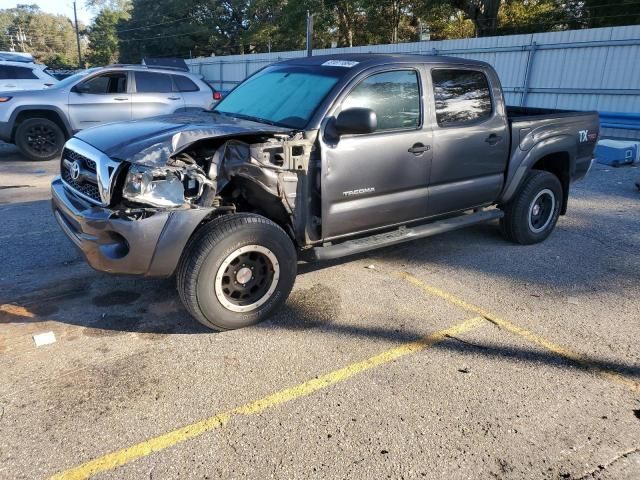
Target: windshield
{"type": "Point", "coordinates": [73, 78]}
{"type": "Point", "coordinates": [285, 96]}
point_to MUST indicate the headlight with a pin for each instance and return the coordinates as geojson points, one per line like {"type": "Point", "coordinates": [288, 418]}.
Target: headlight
{"type": "Point", "coordinates": [155, 187]}
{"type": "Point", "coordinates": [5, 99]}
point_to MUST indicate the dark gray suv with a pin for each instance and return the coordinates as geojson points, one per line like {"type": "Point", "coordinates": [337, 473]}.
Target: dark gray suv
{"type": "Point", "coordinates": [40, 121]}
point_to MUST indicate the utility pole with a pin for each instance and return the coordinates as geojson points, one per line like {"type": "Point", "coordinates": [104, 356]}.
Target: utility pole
{"type": "Point", "coordinates": [309, 34]}
{"type": "Point", "coordinates": [75, 16]}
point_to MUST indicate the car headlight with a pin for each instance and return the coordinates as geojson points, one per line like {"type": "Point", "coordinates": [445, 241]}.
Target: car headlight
{"type": "Point", "coordinates": [153, 186]}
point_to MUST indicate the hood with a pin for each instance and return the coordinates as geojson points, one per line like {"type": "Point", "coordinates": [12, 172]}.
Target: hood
{"type": "Point", "coordinates": [154, 140]}
{"type": "Point", "coordinates": [30, 94]}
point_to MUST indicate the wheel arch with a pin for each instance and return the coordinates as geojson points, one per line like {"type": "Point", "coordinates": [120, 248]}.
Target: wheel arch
{"type": "Point", "coordinates": [556, 155]}
{"type": "Point", "coordinates": [40, 111]}
{"type": "Point", "coordinates": [558, 163]}
{"type": "Point", "coordinates": [252, 197]}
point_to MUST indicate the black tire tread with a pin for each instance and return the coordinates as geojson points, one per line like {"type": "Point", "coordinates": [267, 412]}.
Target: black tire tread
{"type": "Point", "coordinates": [18, 141]}
{"type": "Point", "coordinates": [511, 225]}
{"type": "Point", "coordinates": [197, 250]}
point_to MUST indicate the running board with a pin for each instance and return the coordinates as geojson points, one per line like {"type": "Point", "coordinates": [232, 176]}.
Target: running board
{"type": "Point", "coordinates": [401, 235]}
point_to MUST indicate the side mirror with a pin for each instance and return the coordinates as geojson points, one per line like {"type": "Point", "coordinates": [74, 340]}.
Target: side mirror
{"type": "Point", "coordinates": [356, 120]}
{"type": "Point", "coordinates": [81, 88]}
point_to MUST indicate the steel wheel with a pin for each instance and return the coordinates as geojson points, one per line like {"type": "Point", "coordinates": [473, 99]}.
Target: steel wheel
{"type": "Point", "coordinates": [541, 210]}
{"type": "Point", "coordinates": [247, 278]}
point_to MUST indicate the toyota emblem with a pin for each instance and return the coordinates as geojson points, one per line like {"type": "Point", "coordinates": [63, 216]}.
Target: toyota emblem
{"type": "Point", "coordinates": [75, 170]}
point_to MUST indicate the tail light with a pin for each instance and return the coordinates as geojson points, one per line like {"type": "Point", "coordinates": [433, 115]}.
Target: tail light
{"type": "Point", "coordinates": [217, 96]}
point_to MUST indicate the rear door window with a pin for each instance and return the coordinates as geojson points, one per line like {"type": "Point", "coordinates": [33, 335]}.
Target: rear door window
{"type": "Point", "coordinates": [184, 84]}
{"type": "Point", "coordinates": [150, 82]}
{"type": "Point", "coordinates": [394, 96]}
{"type": "Point", "coordinates": [115, 82]}
{"type": "Point", "coordinates": [10, 72]}
{"type": "Point", "coordinates": [461, 96]}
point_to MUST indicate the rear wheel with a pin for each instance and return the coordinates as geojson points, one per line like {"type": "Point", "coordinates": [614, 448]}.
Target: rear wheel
{"type": "Point", "coordinates": [531, 215]}
{"type": "Point", "coordinates": [39, 139]}
{"type": "Point", "coordinates": [236, 271]}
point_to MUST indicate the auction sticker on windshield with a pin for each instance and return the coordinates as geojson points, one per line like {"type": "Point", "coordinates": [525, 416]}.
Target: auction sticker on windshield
{"type": "Point", "coordinates": [339, 63]}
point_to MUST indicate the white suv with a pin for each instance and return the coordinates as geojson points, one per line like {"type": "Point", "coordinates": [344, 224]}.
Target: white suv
{"type": "Point", "coordinates": [40, 121]}
{"type": "Point", "coordinates": [23, 76]}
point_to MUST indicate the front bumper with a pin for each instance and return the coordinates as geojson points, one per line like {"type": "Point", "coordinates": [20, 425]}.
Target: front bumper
{"type": "Point", "coordinates": [116, 243]}
{"type": "Point", "coordinates": [5, 131]}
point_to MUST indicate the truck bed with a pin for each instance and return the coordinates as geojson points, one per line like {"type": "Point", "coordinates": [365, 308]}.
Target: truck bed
{"type": "Point", "coordinates": [535, 113]}
{"type": "Point", "coordinates": [571, 132]}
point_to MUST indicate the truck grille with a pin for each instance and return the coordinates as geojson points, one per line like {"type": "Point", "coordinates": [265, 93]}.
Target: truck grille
{"type": "Point", "coordinates": [87, 182]}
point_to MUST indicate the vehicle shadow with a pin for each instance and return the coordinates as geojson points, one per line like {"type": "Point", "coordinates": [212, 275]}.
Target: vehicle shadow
{"type": "Point", "coordinates": [591, 251]}
{"type": "Point", "coordinates": [296, 317]}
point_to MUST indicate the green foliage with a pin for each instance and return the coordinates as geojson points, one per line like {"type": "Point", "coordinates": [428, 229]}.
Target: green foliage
{"type": "Point", "coordinates": [103, 38]}
{"type": "Point", "coordinates": [530, 16]}
{"type": "Point", "coordinates": [446, 22]}
{"type": "Point", "coordinates": [60, 62]}
{"type": "Point", "coordinates": [27, 29]}
{"type": "Point", "coordinates": [128, 30]}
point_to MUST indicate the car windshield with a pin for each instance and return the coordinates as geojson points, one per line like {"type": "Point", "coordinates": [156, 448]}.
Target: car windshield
{"type": "Point", "coordinates": [284, 96]}
{"type": "Point", "coordinates": [73, 78]}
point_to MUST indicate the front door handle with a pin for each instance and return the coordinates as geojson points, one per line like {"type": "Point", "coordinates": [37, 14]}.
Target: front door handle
{"type": "Point", "coordinates": [173, 98]}
{"type": "Point", "coordinates": [419, 149]}
{"type": "Point", "coordinates": [121, 99]}
{"type": "Point", "coordinates": [493, 139]}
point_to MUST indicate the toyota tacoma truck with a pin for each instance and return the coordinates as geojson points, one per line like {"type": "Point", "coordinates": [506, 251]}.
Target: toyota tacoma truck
{"type": "Point", "coordinates": [314, 158]}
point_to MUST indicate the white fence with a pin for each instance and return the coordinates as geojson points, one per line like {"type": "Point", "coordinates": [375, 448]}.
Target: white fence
{"type": "Point", "coordinates": [595, 69]}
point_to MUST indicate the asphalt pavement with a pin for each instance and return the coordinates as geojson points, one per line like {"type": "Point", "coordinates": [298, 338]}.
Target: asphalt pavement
{"type": "Point", "coordinates": [461, 356]}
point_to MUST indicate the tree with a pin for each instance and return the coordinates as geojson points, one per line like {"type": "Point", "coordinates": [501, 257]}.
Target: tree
{"type": "Point", "coordinates": [483, 14]}
{"type": "Point", "coordinates": [445, 22]}
{"type": "Point", "coordinates": [27, 29]}
{"type": "Point", "coordinates": [610, 13]}
{"type": "Point", "coordinates": [392, 18]}
{"type": "Point", "coordinates": [175, 28]}
{"type": "Point", "coordinates": [103, 37]}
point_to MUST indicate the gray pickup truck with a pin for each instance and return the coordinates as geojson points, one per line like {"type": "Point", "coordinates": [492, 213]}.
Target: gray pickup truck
{"type": "Point", "coordinates": [315, 158]}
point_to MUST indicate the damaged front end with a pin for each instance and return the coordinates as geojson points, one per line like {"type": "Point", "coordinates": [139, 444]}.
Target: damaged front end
{"type": "Point", "coordinates": [156, 205]}
{"type": "Point", "coordinates": [254, 173]}
{"type": "Point", "coordinates": [167, 186]}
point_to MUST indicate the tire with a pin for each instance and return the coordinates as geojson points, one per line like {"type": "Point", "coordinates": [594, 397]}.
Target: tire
{"type": "Point", "coordinates": [223, 253]}
{"type": "Point", "coordinates": [39, 139]}
{"type": "Point", "coordinates": [520, 223]}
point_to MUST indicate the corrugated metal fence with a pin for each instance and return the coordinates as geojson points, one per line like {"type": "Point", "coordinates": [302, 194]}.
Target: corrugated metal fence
{"type": "Point", "coordinates": [595, 69]}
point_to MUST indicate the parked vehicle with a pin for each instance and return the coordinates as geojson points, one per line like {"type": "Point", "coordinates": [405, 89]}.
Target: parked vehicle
{"type": "Point", "coordinates": [20, 72]}
{"type": "Point", "coordinates": [324, 157]}
{"type": "Point", "coordinates": [39, 122]}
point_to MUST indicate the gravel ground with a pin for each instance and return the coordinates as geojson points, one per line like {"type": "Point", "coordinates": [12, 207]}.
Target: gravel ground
{"type": "Point", "coordinates": [494, 400]}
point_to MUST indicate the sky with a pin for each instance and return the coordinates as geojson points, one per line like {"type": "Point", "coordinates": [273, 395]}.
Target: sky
{"type": "Point", "coordinates": [62, 7]}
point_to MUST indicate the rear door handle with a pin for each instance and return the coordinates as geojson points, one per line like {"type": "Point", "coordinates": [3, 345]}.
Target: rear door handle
{"type": "Point", "coordinates": [121, 99]}
{"type": "Point", "coordinates": [492, 139]}
{"type": "Point", "coordinates": [173, 98]}
{"type": "Point", "coordinates": [419, 149]}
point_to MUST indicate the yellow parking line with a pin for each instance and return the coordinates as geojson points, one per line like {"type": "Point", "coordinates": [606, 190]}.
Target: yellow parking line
{"type": "Point", "coordinates": [559, 350]}
{"type": "Point", "coordinates": [147, 447]}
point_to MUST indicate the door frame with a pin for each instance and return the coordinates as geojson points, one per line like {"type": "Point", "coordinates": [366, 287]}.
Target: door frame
{"type": "Point", "coordinates": [424, 124]}
{"type": "Point", "coordinates": [90, 77]}
{"type": "Point", "coordinates": [463, 186]}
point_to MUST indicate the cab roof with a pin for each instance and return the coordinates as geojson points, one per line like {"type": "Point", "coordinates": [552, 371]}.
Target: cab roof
{"type": "Point", "coordinates": [363, 60]}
